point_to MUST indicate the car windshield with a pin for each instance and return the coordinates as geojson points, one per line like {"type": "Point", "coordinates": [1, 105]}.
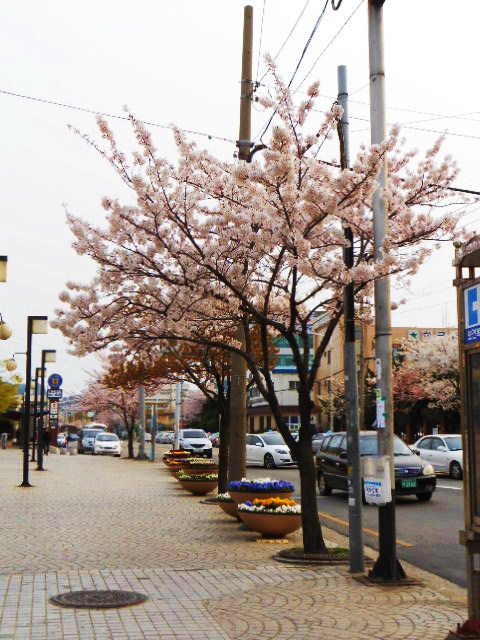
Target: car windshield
{"type": "Point", "coordinates": [454, 443]}
{"type": "Point", "coordinates": [90, 434]}
{"type": "Point", "coordinates": [106, 436]}
{"type": "Point", "coordinates": [368, 446]}
{"type": "Point", "coordinates": [194, 434]}
{"type": "Point", "coordinates": [272, 438]}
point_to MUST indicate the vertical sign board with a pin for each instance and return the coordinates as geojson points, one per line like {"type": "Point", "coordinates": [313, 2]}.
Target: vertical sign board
{"type": "Point", "coordinates": [53, 421]}
{"type": "Point", "coordinates": [471, 303]}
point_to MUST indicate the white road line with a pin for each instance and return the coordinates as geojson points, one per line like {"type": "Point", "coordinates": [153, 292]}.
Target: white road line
{"type": "Point", "coordinates": [444, 486]}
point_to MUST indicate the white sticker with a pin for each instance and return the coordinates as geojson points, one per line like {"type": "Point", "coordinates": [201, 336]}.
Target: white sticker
{"type": "Point", "coordinates": [378, 366]}
{"type": "Point", "coordinates": [351, 502]}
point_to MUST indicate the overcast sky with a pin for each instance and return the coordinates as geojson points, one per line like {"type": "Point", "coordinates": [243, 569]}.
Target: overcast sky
{"type": "Point", "coordinates": [180, 62]}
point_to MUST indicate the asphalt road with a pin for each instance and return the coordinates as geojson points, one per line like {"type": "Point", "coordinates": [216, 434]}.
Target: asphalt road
{"type": "Point", "coordinates": [427, 532]}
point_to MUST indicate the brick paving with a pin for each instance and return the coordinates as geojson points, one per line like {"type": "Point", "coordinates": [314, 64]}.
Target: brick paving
{"type": "Point", "coordinates": [106, 523]}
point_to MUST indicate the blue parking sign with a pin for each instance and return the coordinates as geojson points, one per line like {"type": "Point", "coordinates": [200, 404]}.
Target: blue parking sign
{"type": "Point", "coordinates": [471, 298]}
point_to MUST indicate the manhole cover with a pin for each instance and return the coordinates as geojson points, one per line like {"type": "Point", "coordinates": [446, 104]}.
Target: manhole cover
{"type": "Point", "coordinates": [94, 599]}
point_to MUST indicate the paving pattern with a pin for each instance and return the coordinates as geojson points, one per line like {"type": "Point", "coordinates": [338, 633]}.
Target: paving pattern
{"type": "Point", "coordinates": [118, 524]}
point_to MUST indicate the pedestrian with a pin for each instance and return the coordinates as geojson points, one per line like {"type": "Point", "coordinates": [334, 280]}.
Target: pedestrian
{"type": "Point", "coordinates": [46, 441]}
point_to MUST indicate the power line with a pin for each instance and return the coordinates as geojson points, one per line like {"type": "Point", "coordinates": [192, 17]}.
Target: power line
{"type": "Point", "coordinates": [305, 49]}
{"type": "Point", "coordinates": [330, 43]}
{"type": "Point", "coordinates": [111, 115]}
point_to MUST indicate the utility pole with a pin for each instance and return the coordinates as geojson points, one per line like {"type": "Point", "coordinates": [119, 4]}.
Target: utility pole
{"type": "Point", "coordinates": [153, 430]}
{"type": "Point", "coordinates": [355, 515]}
{"type": "Point", "coordinates": [141, 436]}
{"type": "Point", "coordinates": [238, 384]}
{"type": "Point", "coordinates": [387, 568]}
{"type": "Point", "coordinates": [178, 415]}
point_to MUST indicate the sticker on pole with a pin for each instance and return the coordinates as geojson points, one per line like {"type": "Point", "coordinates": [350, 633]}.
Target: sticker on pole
{"type": "Point", "coordinates": [55, 381]}
{"type": "Point", "coordinates": [376, 480]}
{"type": "Point", "coordinates": [471, 300]}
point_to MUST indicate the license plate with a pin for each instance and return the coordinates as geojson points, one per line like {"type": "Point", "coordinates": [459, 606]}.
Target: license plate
{"type": "Point", "coordinates": [408, 484]}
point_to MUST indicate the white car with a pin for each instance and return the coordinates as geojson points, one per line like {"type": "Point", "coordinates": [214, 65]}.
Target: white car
{"type": "Point", "coordinates": [196, 441]}
{"type": "Point", "coordinates": [443, 452]}
{"type": "Point", "coordinates": [107, 443]}
{"type": "Point", "coordinates": [268, 450]}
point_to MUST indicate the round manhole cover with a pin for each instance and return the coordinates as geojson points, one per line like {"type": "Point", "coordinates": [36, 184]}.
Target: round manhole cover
{"type": "Point", "coordinates": [98, 599]}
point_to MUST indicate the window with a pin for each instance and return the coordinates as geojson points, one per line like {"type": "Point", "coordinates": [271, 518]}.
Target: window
{"type": "Point", "coordinates": [269, 422]}
{"type": "Point", "coordinates": [249, 439]}
{"type": "Point", "coordinates": [256, 441]}
{"type": "Point", "coordinates": [425, 443]}
{"type": "Point", "coordinates": [262, 423]}
{"type": "Point", "coordinates": [335, 445]}
{"type": "Point", "coordinates": [436, 443]}
{"type": "Point", "coordinates": [293, 384]}
{"type": "Point", "coordinates": [252, 424]}
{"type": "Point", "coordinates": [292, 422]}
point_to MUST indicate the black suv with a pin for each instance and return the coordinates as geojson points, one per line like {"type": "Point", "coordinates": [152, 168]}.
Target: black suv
{"type": "Point", "coordinates": [412, 476]}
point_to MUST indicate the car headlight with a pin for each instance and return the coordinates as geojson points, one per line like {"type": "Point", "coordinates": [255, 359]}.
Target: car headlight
{"type": "Point", "coordinates": [428, 470]}
{"type": "Point", "coordinates": [281, 451]}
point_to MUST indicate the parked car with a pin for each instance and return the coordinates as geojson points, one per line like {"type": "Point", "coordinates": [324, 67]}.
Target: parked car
{"type": "Point", "coordinates": [148, 437]}
{"type": "Point", "coordinates": [107, 443]}
{"type": "Point", "coordinates": [317, 440]}
{"type": "Point", "coordinates": [87, 438]}
{"type": "Point", "coordinates": [163, 437]}
{"type": "Point", "coordinates": [444, 453]}
{"type": "Point", "coordinates": [196, 441]}
{"type": "Point", "coordinates": [268, 450]}
{"type": "Point", "coordinates": [62, 440]}
{"type": "Point", "coordinates": [412, 475]}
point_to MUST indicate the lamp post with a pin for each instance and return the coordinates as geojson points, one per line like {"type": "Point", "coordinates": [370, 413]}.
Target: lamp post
{"type": "Point", "coordinates": [5, 330]}
{"type": "Point", "coordinates": [35, 325]}
{"type": "Point", "coordinates": [48, 355]}
{"type": "Point", "coordinates": [35, 411]}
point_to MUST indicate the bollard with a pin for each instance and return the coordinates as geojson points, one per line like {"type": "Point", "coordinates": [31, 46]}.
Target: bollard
{"type": "Point", "coordinates": [3, 439]}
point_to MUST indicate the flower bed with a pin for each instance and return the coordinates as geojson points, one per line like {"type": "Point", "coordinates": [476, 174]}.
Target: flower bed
{"type": "Point", "coordinates": [243, 490]}
{"type": "Point", "coordinates": [199, 485]}
{"type": "Point", "coordinates": [271, 505]}
{"type": "Point", "coordinates": [273, 517]}
{"type": "Point", "coordinates": [227, 505]}
{"type": "Point", "coordinates": [198, 465]}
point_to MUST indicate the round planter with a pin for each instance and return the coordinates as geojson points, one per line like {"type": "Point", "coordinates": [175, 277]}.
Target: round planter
{"type": "Point", "coordinates": [243, 496]}
{"type": "Point", "coordinates": [230, 508]}
{"type": "Point", "coordinates": [198, 470]}
{"type": "Point", "coordinates": [199, 487]}
{"type": "Point", "coordinates": [271, 525]}
{"type": "Point", "coordinates": [173, 468]}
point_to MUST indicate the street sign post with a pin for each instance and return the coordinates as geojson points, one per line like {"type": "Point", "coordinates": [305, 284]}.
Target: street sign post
{"type": "Point", "coordinates": [55, 381]}
{"type": "Point", "coordinates": [56, 394]}
{"type": "Point", "coordinates": [467, 282]}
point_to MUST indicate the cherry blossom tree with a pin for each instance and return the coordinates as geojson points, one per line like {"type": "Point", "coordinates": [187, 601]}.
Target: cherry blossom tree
{"type": "Point", "coordinates": [206, 245]}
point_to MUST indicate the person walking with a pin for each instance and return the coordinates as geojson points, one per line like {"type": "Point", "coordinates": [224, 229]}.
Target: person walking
{"type": "Point", "coordinates": [46, 441]}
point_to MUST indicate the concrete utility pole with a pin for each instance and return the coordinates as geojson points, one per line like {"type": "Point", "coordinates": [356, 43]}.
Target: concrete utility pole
{"type": "Point", "coordinates": [153, 431]}
{"type": "Point", "coordinates": [141, 439]}
{"type": "Point", "coordinates": [238, 384]}
{"type": "Point", "coordinates": [355, 515]}
{"type": "Point", "coordinates": [178, 415]}
{"type": "Point", "coordinates": [387, 568]}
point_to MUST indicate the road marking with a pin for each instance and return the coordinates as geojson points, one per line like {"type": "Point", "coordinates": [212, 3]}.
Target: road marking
{"type": "Point", "coordinates": [371, 532]}
{"type": "Point", "coordinates": [446, 486]}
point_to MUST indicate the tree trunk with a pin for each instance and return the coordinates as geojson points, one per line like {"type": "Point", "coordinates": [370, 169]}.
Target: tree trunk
{"type": "Point", "coordinates": [130, 431]}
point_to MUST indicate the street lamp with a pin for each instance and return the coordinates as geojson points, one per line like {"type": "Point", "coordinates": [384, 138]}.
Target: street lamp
{"type": "Point", "coordinates": [11, 365]}
{"type": "Point", "coordinates": [35, 411]}
{"type": "Point", "coordinates": [5, 329]}
{"type": "Point", "coordinates": [35, 325]}
{"type": "Point", "coordinates": [3, 268]}
{"type": "Point", "coordinates": [48, 355]}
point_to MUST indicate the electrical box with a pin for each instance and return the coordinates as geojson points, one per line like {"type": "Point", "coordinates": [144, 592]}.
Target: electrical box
{"type": "Point", "coordinates": [376, 479]}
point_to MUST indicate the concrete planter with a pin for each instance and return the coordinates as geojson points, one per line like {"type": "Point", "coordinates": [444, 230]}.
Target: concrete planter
{"type": "Point", "coordinates": [230, 508]}
{"type": "Point", "coordinates": [243, 496]}
{"type": "Point", "coordinates": [199, 470]}
{"type": "Point", "coordinates": [199, 487]}
{"type": "Point", "coordinates": [271, 525]}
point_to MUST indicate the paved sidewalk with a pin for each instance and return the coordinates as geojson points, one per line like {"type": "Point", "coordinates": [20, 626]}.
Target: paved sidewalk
{"type": "Point", "coordinates": [119, 524]}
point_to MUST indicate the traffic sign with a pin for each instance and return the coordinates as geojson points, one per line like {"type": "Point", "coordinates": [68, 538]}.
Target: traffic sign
{"type": "Point", "coordinates": [54, 394]}
{"type": "Point", "coordinates": [472, 314]}
{"type": "Point", "coordinates": [55, 381]}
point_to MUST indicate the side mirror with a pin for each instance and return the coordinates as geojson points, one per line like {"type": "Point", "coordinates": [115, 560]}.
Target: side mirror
{"type": "Point", "coordinates": [258, 444]}
{"type": "Point", "coordinates": [343, 455]}
{"type": "Point", "coordinates": [415, 451]}
{"type": "Point", "coordinates": [442, 448]}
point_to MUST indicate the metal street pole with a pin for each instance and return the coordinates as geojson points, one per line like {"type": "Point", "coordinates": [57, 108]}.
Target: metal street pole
{"type": "Point", "coordinates": [355, 511]}
{"type": "Point", "coordinates": [47, 355]}
{"type": "Point", "coordinates": [35, 324]}
{"type": "Point", "coordinates": [153, 431]}
{"type": "Point", "coordinates": [35, 412]}
{"type": "Point", "coordinates": [238, 389]}
{"type": "Point", "coordinates": [387, 568]}
{"type": "Point", "coordinates": [141, 436]}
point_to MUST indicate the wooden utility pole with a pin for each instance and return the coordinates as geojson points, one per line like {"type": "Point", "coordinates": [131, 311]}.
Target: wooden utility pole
{"type": "Point", "coordinates": [238, 388]}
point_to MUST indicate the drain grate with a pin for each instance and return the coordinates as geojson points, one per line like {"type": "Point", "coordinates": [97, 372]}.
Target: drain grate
{"type": "Point", "coordinates": [98, 599]}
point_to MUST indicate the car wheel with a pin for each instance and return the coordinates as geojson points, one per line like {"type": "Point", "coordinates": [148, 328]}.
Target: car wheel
{"type": "Point", "coordinates": [323, 487]}
{"type": "Point", "coordinates": [456, 471]}
{"type": "Point", "coordinates": [269, 462]}
{"type": "Point", "coordinates": [424, 497]}
{"type": "Point", "coordinates": [209, 453]}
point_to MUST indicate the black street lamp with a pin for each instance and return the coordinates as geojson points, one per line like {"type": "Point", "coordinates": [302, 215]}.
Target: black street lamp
{"type": "Point", "coordinates": [48, 355]}
{"type": "Point", "coordinates": [35, 325]}
{"type": "Point", "coordinates": [35, 412]}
